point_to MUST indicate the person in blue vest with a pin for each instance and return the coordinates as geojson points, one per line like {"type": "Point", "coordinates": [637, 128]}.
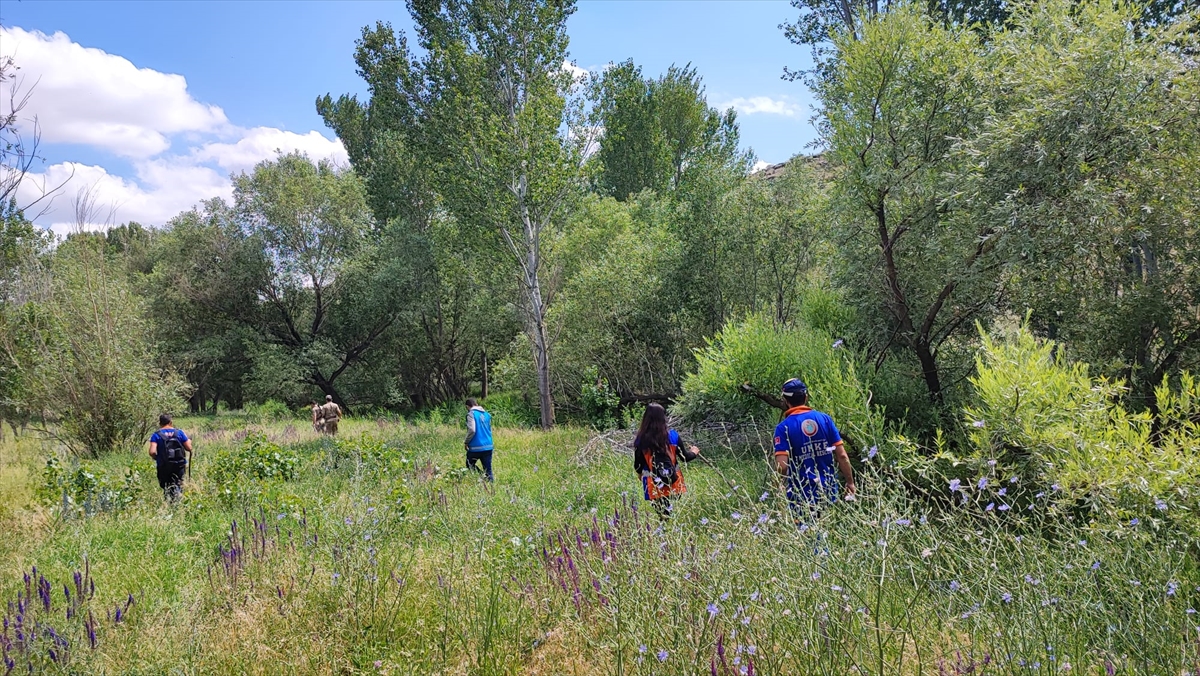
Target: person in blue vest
{"type": "Point", "coordinates": [170, 448]}
{"type": "Point", "coordinates": [808, 446]}
{"type": "Point", "coordinates": [479, 438]}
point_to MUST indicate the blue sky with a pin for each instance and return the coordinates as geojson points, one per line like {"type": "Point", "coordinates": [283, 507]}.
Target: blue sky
{"type": "Point", "coordinates": [113, 117]}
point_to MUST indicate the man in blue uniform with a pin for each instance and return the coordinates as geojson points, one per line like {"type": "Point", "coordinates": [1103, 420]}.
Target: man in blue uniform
{"type": "Point", "coordinates": [479, 438]}
{"type": "Point", "coordinates": [807, 446]}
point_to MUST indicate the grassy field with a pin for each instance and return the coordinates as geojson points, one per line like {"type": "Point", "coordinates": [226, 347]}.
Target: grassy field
{"type": "Point", "coordinates": [378, 555]}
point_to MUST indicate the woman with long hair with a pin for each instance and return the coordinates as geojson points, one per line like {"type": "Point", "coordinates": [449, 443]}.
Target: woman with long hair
{"type": "Point", "coordinates": [656, 452]}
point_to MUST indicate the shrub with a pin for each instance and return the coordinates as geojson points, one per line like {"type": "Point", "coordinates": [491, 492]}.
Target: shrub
{"type": "Point", "coordinates": [760, 354]}
{"type": "Point", "coordinates": [601, 406]}
{"type": "Point", "coordinates": [247, 471]}
{"type": "Point", "coordinates": [92, 366]}
{"type": "Point", "coordinates": [511, 409]}
{"type": "Point", "coordinates": [271, 410]}
{"type": "Point", "coordinates": [86, 490]}
{"type": "Point", "coordinates": [1049, 421]}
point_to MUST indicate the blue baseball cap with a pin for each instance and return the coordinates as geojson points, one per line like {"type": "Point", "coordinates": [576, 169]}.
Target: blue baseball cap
{"type": "Point", "coordinates": [795, 388]}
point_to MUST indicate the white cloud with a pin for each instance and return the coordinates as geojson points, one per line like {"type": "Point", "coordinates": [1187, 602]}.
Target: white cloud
{"type": "Point", "coordinates": [261, 143]}
{"type": "Point", "coordinates": [88, 96]}
{"type": "Point", "coordinates": [163, 188]}
{"type": "Point", "coordinates": [579, 74]}
{"type": "Point", "coordinates": [762, 104]}
{"type": "Point", "coordinates": [759, 166]}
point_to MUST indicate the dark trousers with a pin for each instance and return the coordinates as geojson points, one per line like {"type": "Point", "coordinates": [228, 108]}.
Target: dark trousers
{"type": "Point", "coordinates": [170, 479]}
{"type": "Point", "coordinates": [484, 457]}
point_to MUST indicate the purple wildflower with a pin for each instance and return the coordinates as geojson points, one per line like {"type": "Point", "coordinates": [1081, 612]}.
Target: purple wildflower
{"type": "Point", "coordinates": [1006, 597]}
{"type": "Point", "coordinates": [1134, 521]}
{"type": "Point", "coordinates": [954, 585]}
{"type": "Point", "coordinates": [983, 483]}
{"type": "Point", "coordinates": [978, 424]}
{"type": "Point", "coordinates": [874, 451]}
{"type": "Point", "coordinates": [713, 609]}
{"type": "Point", "coordinates": [662, 655]}
{"type": "Point", "coordinates": [838, 343]}
{"type": "Point", "coordinates": [1160, 505]}
{"type": "Point", "coordinates": [955, 484]}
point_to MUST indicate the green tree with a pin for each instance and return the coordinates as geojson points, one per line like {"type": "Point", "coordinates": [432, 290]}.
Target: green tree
{"type": "Point", "coordinates": [327, 292]}
{"type": "Point", "coordinates": [634, 154]}
{"type": "Point", "coordinates": [204, 284]}
{"type": "Point", "coordinates": [23, 248]}
{"type": "Point", "coordinates": [657, 130]}
{"type": "Point", "coordinates": [93, 369]}
{"type": "Point", "coordinates": [1088, 169]}
{"type": "Point", "coordinates": [487, 106]}
{"type": "Point", "coordinates": [453, 318]}
{"type": "Point", "coordinates": [899, 95]}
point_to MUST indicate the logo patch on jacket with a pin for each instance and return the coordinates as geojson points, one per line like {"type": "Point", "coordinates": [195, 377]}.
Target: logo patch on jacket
{"type": "Point", "coordinates": [809, 427]}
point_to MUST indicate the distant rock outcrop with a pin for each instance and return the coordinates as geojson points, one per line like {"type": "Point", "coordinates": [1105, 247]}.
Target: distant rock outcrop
{"type": "Point", "coordinates": [818, 163]}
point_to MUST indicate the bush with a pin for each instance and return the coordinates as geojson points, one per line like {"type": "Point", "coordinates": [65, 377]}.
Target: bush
{"type": "Point", "coordinates": [271, 410]}
{"type": "Point", "coordinates": [86, 490]}
{"type": "Point", "coordinates": [510, 409]}
{"type": "Point", "coordinates": [758, 353]}
{"type": "Point", "coordinates": [247, 471]}
{"type": "Point", "coordinates": [1050, 422]}
{"type": "Point", "coordinates": [92, 357]}
{"type": "Point", "coordinates": [601, 406]}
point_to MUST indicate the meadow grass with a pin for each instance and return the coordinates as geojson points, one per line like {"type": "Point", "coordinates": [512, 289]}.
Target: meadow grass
{"type": "Point", "coordinates": [380, 556]}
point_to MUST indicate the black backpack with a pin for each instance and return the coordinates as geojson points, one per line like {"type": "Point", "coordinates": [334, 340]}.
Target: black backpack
{"type": "Point", "coordinates": [170, 448]}
{"type": "Point", "coordinates": [663, 467]}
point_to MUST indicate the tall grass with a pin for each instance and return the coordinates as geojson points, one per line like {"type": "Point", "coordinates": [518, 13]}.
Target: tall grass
{"type": "Point", "coordinates": [378, 555]}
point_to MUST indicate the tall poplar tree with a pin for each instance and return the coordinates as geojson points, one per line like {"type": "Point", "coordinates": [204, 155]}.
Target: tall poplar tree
{"type": "Point", "coordinates": [490, 112]}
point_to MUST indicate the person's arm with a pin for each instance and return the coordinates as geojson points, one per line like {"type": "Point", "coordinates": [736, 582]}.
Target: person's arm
{"type": "Point", "coordinates": [187, 446]}
{"type": "Point", "coordinates": [470, 429]}
{"type": "Point", "coordinates": [783, 449]}
{"type": "Point", "coordinates": [689, 453]}
{"type": "Point", "coordinates": [153, 449]}
{"type": "Point", "coordinates": [843, 463]}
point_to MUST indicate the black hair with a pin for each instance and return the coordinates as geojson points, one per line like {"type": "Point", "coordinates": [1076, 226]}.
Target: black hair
{"type": "Point", "coordinates": [471, 403]}
{"type": "Point", "coordinates": [795, 400]}
{"type": "Point", "coordinates": [164, 420]}
{"type": "Point", "coordinates": [653, 432]}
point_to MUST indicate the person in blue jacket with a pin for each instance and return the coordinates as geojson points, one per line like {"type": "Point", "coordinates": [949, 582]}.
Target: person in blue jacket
{"type": "Point", "coordinates": [479, 438]}
{"type": "Point", "coordinates": [170, 448]}
{"type": "Point", "coordinates": [808, 448]}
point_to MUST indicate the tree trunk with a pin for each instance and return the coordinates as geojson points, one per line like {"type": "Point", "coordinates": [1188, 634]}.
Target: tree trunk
{"type": "Point", "coordinates": [541, 353]}
{"type": "Point", "coordinates": [929, 369]}
{"type": "Point", "coordinates": [484, 388]}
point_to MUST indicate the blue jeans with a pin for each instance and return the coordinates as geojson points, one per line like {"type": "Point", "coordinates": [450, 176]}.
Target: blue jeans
{"type": "Point", "coordinates": [484, 457]}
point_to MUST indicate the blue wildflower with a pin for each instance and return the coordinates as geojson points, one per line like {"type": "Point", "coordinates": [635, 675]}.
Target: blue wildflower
{"type": "Point", "coordinates": [662, 655]}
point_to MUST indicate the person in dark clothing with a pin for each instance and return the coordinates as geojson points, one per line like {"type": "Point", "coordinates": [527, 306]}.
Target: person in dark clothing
{"type": "Point", "coordinates": [656, 452]}
{"type": "Point", "coordinates": [171, 450]}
